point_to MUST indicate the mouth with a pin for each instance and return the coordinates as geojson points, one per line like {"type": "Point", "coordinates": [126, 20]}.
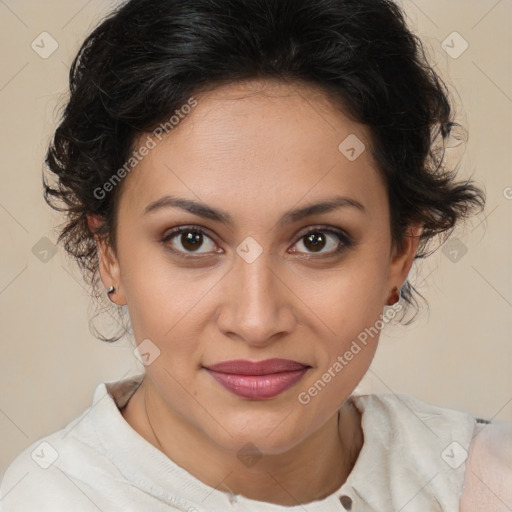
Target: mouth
{"type": "Point", "coordinates": [266, 367]}
{"type": "Point", "coordinates": [258, 380]}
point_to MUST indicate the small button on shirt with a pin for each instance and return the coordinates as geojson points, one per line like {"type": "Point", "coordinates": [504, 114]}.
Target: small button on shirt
{"type": "Point", "coordinates": [346, 501]}
{"type": "Point", "coordinates": [413, 459]}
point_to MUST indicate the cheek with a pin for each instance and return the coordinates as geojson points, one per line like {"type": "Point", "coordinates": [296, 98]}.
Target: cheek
{"type": "Point", "coordinates": [158, 292]}
{"type": "Point", "coordinates": [169, 307]}
{"type": "Point", "coordinates": [352, 293]}
{"type": "Point", "coordinates": [347, 307]}
{"type": "Point", "coordinates": [346, 339]}
{"type": "Point", "coordinates": [166, 311]}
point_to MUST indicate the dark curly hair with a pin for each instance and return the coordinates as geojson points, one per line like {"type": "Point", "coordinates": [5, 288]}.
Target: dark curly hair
{"type": "Point", "coordinates": [149, 57]}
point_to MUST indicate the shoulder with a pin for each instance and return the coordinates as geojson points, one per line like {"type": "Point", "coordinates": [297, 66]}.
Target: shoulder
{"type": "Point", "coordinates": [33, 478]}
{"type": "Point", "coordinates": [403, 408]}
{"type": "Point", "coordinates": [46, 475]}
{"type": "Point", "coordinates": [73, 468]}
{"type": "Point", "coordinates": [488, 478]}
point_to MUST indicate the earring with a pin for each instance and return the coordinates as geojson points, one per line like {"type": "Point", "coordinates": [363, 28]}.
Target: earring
{"type": "Point", "coordinates": [110, 292]}
{"type": "Point", "coordinates": [396, 296]}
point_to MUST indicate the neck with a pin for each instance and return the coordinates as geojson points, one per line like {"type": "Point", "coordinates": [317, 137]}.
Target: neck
{"type": "Point", "coordinates": [311, 470]}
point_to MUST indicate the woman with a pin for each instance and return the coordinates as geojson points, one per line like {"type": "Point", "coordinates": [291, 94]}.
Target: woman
{"type": "Point", "coordinates": [253, 180]}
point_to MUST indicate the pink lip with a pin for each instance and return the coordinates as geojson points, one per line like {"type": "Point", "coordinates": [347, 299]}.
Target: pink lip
{"type": "Point", "coordinates": [258, 380]}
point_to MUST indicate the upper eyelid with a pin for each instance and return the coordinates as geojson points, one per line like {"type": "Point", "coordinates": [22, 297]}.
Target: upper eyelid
{"type": "Point", "coordinates": [176, 231]}
{"type": "Point", "coordinates": [321, 227]}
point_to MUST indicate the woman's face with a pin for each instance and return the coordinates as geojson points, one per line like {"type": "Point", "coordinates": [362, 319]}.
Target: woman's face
{"type": "Point", "coordinates": [256, 281]}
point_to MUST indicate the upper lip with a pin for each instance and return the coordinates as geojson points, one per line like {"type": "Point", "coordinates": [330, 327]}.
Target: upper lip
{"type": "Point", "coordinates": [266, 367]}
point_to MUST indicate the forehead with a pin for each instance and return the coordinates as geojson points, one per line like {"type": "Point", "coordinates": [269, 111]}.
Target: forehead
{"type": "Point", "coordinates": [268, 139]}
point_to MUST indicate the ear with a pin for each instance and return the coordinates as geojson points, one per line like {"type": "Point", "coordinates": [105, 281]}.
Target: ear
{"type": "Point", "coordinates": [402, 257]}
{"type": "Point", "coordinates": [110, 271]}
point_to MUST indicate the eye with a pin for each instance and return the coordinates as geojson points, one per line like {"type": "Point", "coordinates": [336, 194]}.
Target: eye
{"type": "Point", "coordinates": [190, 240]}
{"type": "Point", "coordinates": [318, 239]}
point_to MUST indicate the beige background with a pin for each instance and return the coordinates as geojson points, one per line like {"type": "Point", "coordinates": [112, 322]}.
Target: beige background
{"type": "Point", "coordinates": [457, 355]}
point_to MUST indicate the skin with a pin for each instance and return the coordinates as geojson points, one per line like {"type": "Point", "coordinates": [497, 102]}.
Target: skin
{"type": "Point", "coordinates": [255, 150]}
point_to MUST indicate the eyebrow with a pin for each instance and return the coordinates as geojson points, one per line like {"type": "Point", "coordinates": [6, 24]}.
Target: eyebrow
{"type": "Point", "coordinates": [208, 212]}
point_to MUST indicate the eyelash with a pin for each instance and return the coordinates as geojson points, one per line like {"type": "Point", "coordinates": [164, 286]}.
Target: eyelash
{"type": "Point", "coordinates": [345, 241]}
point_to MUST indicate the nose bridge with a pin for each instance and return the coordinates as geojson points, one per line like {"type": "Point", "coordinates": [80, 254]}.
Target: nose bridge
{"type": "Point", "coordinates": [257, 308]}
{"type": "Point", "coordinates": [257, 282]}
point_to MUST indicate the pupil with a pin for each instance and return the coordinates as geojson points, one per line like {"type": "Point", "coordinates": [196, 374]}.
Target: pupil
{"type": "Point", "coordinates": [316, 240]}
{"type": "Point", "coordinates": [191, 240]}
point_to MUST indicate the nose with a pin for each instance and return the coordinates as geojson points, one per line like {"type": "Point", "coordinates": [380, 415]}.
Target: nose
{"type": "Point", "coordinates": [257, 305]}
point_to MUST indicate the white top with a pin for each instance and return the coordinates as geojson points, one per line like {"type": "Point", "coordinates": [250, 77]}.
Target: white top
{"type": "Point", "coordinates": [413, 459]}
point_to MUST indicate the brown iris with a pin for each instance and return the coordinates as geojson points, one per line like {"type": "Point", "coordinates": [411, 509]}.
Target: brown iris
{"type": "Point", "coordinates": [192, 240]}
{"type": "Point", "coordinates": [316, 241]}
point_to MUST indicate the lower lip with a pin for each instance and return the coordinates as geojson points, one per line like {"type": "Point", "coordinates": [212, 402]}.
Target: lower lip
{"type": "Point", "coordinates": [258, 387]}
